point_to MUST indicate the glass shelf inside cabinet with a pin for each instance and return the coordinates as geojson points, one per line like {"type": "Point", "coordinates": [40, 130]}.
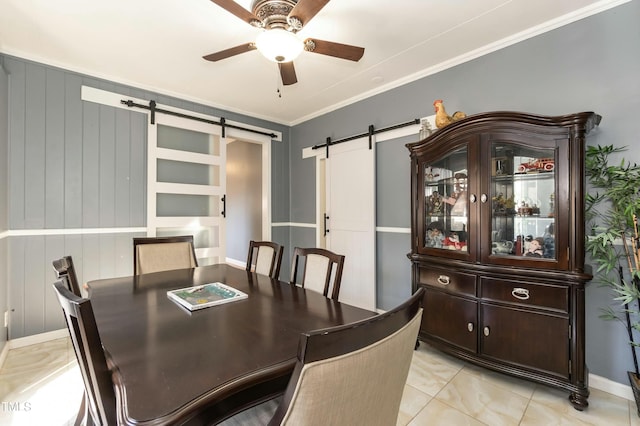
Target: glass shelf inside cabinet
{"type": "Point", "coordinates": [446, 202]}
{"type": "Point", "coordinates": [523, 210]}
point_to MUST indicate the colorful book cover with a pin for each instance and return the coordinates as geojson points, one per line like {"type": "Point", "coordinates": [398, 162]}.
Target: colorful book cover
{"type": "Point", "coordinates": [205, 295]}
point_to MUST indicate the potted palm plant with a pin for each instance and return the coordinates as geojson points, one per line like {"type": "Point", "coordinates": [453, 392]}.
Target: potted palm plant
{"type": "Point", "coordinates": [612, 212]}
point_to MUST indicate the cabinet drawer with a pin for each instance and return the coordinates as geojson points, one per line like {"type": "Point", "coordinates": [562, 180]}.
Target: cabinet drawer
{"type": "Point", "coordinates": [545, 296]}
{"type": "Point", "coordinates": [456, 282]}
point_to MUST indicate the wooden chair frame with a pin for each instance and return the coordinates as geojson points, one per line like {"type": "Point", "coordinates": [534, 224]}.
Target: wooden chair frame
{"type": "Point", "coordinates": [99, 405]}
{"type": "Point", "coordinates": [160, 240]}
{"type": "Point", "coordinates": [276, 260]}
{"type": "Point", "coordinates": [64, 267]}
{"type": "Point", "coordinates": [334, 259]}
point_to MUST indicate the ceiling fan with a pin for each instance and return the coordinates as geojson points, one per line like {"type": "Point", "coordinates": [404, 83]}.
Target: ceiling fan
{"type": "Point", "coordinates": [278, 42]}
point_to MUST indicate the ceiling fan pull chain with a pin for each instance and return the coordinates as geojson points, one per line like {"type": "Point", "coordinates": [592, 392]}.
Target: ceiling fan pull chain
{"type": "Point", "coordinates": [278, 84]}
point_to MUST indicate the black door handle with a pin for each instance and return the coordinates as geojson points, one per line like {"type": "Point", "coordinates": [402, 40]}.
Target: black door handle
{"type": "Point", "coordinates": [224, 206]}
{"type": "Point", "coordinates": [326, 230]}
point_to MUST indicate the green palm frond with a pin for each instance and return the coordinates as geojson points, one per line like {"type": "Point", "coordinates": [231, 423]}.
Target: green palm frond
{"type": "Point", "coordinates": [611, 204]}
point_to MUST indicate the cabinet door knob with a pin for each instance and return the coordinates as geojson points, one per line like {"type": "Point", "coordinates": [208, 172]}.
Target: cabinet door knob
{"type": "Point", "coordinates": [484, 198]}
{"type": "Point", "coordinates": [470, 326]}
{"type": "Point", "coordinates": [472, 198]}
{"type": "Point", "coordinates": [520, 293]}
{"type": "Point", "coordinates": [486, 331]}
{"type": "Point", "coordinates": [444, 280]}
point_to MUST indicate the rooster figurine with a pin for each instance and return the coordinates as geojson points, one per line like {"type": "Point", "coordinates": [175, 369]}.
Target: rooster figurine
{"type": "Point", "coordinates": [442, 119]}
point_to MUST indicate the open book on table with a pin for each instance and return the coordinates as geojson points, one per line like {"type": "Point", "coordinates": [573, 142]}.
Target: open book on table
{"type": "Point", "coordinates": [205, 295]}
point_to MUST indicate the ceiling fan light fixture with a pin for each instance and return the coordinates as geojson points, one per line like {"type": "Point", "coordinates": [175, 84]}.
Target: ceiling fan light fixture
{"type": "Point", "coordinates": [279, 45]}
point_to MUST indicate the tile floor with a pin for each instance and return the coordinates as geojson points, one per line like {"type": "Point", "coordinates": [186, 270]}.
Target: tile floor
{"type": "Point", "coordinates": [38, 382]}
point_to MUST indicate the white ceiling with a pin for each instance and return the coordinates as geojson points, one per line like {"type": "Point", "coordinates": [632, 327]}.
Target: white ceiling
{"type": "Point", "coordinates": [159, 44]}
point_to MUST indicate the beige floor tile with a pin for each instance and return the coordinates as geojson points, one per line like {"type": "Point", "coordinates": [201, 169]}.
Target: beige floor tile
{"type": "Point", "coordinates": [551, 407]}
{"type": "Point", "coordinates": [40, 385]}
{"type": "Point", "coordinates": [482, 400]}
{"type": "Point", "coordinates": [521, 387]}
{"type": "Point", "coordinates": [431, 370]}
{"type": "Point", "coordinates": [437, 413]}
{"type": "Point", "coordinates": [413, 401]}
{"type": "Point", "coordinates": [30, 364]}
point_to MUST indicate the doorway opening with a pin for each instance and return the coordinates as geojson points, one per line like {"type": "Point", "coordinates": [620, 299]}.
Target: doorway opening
{"type": "Point", "coordinates": [248, 196]}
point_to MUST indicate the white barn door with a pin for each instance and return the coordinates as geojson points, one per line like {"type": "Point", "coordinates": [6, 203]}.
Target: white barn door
{"type": "Point", "coordinates": [186, 184]}
{"type": "Point", "coordinates": [350, 207]}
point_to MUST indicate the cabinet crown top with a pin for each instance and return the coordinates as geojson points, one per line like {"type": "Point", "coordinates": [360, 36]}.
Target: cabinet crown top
{"type": "Point", "coordinates": [513, 121]}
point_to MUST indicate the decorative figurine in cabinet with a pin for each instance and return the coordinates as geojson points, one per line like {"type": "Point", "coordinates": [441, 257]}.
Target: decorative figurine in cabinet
{"type": "Point", "coordinates": [498, 244]}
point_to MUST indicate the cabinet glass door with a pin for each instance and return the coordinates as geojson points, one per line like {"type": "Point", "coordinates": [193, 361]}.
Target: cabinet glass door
{"type": "Point", "coordinates": [523, 211]}
{"type": "Point", "coordinates": [446, 202]}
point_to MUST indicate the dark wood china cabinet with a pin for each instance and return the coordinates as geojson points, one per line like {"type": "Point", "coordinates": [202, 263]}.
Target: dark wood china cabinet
{"type": "Point", "coordinates": [498, 244]}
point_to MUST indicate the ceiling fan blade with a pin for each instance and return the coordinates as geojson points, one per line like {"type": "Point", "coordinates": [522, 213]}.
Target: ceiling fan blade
{"type": "Point", "coordinates": [330, 48]}
{"type": "Point", "coordinates": [227, 53]}
{"type": "Point", "coordinates": [242, 13]}
{"type": "Point", "coordinates": [288, 73]}
{"type": "Point", "coordinates": [304, 10]}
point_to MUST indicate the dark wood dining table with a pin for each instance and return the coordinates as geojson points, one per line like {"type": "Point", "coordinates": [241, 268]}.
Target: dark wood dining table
{"type": "Point", "coordinates": [174, 366]}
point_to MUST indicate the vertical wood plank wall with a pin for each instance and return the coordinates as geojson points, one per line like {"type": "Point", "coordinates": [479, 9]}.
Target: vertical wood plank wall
{"type": "Point", "coordinates": [73, 165]}
{"type": "Point", "coordinates": [63, 167]}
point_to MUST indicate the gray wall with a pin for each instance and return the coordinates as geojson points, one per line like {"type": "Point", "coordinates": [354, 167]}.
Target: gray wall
{"type": "Point", "coordinates": [393, 207]}
{"type": "Point", "coordinates": [4, 177]}
{"type": "Point", "coordinates": [75, 164]}
{"type": "Point", "coordinates": [590, 65]}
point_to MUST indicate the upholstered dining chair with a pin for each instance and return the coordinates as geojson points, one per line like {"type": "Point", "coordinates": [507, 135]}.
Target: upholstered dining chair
{"type": "Point", "coordinates": [353, 374]}
{"type": "Point", "coordinates": [268, 258]}
{"type": "Point", "coordinates": [64, 267]}
{"type": "Point", "coordinates": [156, 254]}
{"type": "Point", "coordinates": [318, 268]}
{"type": "Point", "coordinates": [99, 404]}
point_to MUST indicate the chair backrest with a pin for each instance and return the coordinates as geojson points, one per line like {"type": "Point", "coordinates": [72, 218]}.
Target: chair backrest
{"type": "Point", "coordinates": [99, 393]}
{"type": "Point", "coordinates": [268, 258]}
{"type": "Point", "coordinates": [156, 254]}
{"type": "Point", "coordinates": [317, 272]}
{"type": "Point", "coordinates": [354, 373]}
{"type": "Point", "coordinates": [64, 267]}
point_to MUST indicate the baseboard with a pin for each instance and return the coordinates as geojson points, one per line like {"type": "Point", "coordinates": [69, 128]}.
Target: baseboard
{"type": "Point", "coordinates": [609, 386]}
{"type": "Point", "coordinates": [38, 338]}
{"type": "Point", "coordinates": [236, 263]}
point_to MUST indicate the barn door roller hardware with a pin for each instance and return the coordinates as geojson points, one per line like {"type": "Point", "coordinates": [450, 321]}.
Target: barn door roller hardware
{"type": "Point", "coordinates": [369, 133]}
{"type": "Point", "coordinates": [222, 123]}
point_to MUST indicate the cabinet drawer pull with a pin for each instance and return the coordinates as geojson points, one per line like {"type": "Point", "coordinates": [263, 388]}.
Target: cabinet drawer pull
{"type": "Point", "coordinates": [486, 331]}
{"type": "Point", "coordinates": [470, 326]}
{"type": "Point", "coordinates": [520, 293]}
{"type": "Point", "coordinates": [444, 280]}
